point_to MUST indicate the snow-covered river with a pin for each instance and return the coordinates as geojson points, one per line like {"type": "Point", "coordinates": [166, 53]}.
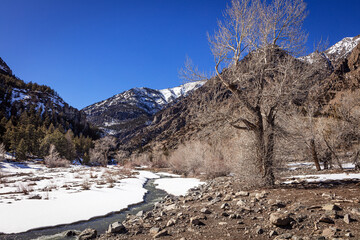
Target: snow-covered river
{"type": "Point", "coordinates": [100, 223]}
{"type": "Point", "coordinates": [55, 200]}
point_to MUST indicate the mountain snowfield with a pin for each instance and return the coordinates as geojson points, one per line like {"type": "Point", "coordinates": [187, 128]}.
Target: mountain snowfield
{"type": "Point", "coordinates": [344, 47]}
{"type": "Point", "coordinates": [335, 53]}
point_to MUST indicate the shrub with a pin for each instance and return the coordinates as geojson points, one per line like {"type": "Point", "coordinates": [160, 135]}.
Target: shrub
{"type": "Point", "coordinates": [195, 158]}
{"type": "Point", "coordinates": [86, 184]}
{"type": "Point", "coordinates": [25, 189]}
{"type": "Point", "coordinates": [160, 161]}
{"type": "Point", "coordinates": [54, 160]}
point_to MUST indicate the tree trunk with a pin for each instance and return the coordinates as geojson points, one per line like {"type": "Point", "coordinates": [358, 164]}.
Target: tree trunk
{"type": "Point", "coordinates": [265, 149]}
{"type": "Point", "coordinates": [269, 157]}
{"type": "Point", "coordinates": [335, 155]}
{"type": "Point", "coordinates": [314, 154]}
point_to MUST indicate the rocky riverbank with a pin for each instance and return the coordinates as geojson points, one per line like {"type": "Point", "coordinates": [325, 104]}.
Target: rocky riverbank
{"type": "Point", "coordinates": [221, 209]}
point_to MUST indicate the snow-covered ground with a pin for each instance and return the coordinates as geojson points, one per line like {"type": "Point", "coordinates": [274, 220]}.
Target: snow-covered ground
{"type": "Point", "coordinates": [310, 165]}
{"type": "Point", "coordinates": [321, 176]}
{"type": "Point", "coordinates": [177, 186]}
{"type": "Point", "coordinates": [324, 177]}
{"type": "Point", "coordinates": [34, 196]}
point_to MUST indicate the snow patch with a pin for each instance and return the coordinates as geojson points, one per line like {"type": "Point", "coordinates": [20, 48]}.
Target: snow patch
{"type": "Point", "coordinates": [177, 186]}
{"type": "Point", "coordinates": [324, 177]}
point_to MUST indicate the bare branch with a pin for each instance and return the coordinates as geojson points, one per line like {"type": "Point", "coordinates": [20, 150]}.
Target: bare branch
{"type": "Point", "coordinates": [191, 73]}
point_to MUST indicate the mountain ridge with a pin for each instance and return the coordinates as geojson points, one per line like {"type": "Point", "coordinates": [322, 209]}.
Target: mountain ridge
{"type": "Point", "coordinates": [128, 110]}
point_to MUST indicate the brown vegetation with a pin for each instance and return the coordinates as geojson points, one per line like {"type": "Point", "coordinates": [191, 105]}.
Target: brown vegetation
{"type": "Point", "coordinates": [54, 160]}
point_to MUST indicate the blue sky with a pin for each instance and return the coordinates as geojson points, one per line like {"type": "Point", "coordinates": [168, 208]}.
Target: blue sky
{"type": "Point", "coordinates": [89, 50]}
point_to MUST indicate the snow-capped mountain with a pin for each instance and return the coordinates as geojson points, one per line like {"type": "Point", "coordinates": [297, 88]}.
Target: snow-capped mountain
{"type": "Point", "coordinates": [343, 48]}
{"type": "Point", "coordinates": [336, 53]}
{"type": "Point", "coordinates": [131, 109]}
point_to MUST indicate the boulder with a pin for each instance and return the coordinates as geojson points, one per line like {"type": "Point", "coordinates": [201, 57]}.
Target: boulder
{"type": "Point", "coordinates": [171, 222]}
{"type": "Point", "coordinates": [154, 230]}
{"type": "Point", "coordinates": [88, 233]}
{"type": "Point", "coordinates": [273, 233]}
{"type": "Point", "coordinates": [71, 233]}
{"type": "Point", "coordinates": [147, 215]}
{"type": "Point", "coordinates": [161, 234]}
{"type": "Point", "coordinates": [242, 194]}
{"type": "Point", "coordinates": [347, 218]}
{"type": "Point", "coordinates": [280, 219]}
{"type": "Point", "coordinates": [331, 207]}
{"type": "Point", "coordinates": [329, 232]}
{"type": "Point", "coordinates": [356, 211]}
{"type": "Point", "coordinates": [261, 195]}
{"type": "Point", "coordinates": [240, 203]}
{"type": "Point", "coordinates": [116, 227]}
{"type": "Point", "coordinates": [225, 206]}
{"type": "Point", "coordinates": [205, 211]}
{"type": "Point", "coordinates": [170, 207]}
{"type": "Point", "coordinates": [196, 221]}
{"type": "Point", "coordinates": [259, 230]}
{"type": "Point", "coordinates": [140, 214]}
{"type": "Point", "coordinates": [227, 198]}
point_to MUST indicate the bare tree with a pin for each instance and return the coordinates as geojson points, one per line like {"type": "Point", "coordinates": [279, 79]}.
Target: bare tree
{"type": "Point", "coordinates": [341, 130]}
{"type": "Point", "coordinates": [268, 78]}
{"type": "Point", "coordinates": [191, 73]}
{"type": "Point", "coordinates": [100, 153]}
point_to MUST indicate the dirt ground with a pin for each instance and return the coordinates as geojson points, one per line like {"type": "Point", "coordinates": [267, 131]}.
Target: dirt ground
{"type": "Point", "coordinates": [220, 210]}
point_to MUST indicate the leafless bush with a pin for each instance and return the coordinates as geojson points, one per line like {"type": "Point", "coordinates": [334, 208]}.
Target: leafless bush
{"type": "Point", "coordinates": [195, 158]}
{"type": "Point", "coordinates": [93, 175]}
{"type": "Point", "coordinates": [86, 185]}
{"type": "Point", "coordinates": [54, 160]}
{"type": "Point", "coordinates": [110, 180]}
{"type": "Point", "coordinates": [121, 157]}
{"type": "Point", "coordinates": [140, 159]}
{"type": "Point", "coordinates": [159, 160]}
{"type": "Point", "coordinates": [25, 189]}
{"type": "Point", "coordinates": [124, 172]}
{"type": "Point", "coordinates": [50, 186]}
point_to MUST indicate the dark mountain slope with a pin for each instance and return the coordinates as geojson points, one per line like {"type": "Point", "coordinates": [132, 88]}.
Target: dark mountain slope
{"type": "Point", "coordinates": [30, 111]}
